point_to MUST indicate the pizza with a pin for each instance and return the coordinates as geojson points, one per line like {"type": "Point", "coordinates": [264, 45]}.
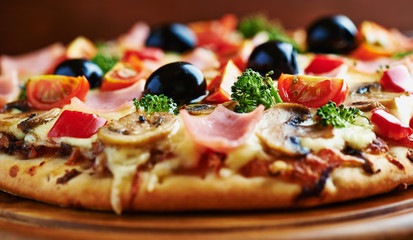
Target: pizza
{"type": "Point", "coordinates": [213, 115]}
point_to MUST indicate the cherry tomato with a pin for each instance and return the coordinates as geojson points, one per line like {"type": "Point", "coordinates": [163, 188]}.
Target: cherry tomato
{"type": "Point", "coordinates": [122, 75]}
{"type": "Point", "coordinates": [376, 41]}
{"type": "Point", "coordinates": [397, 79]}
{"type": "Point", "coordinates": [323, 64]}
{"type": "Point", "coordinates": [389, 126]}
{"type": "Point", "coordinates": [76, 124]}
{"type": "Point", "coordinates": [50, 91]}
{"type": "Point", "coordinates": [312, 91]}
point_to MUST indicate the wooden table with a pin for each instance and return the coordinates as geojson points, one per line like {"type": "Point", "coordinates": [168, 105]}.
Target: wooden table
{"type": "Point", "coordinates": [388, 216]}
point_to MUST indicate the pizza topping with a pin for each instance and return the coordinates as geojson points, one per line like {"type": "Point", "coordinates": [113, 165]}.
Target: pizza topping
{"type": "Point", "coordinates": [340, 116]}
{"type": "Point", "coordinates": [156, 103]}
{"type": "Point", "coordinates": [33, 63]}
{"type": "Point", "coordinates": [76, 124]}
{"type": "Point", "coordinates": [123, 74]}
{"type": "Point", "coordinates": [9, 87]}
{"type": "Point", "coordinates": [282, 127]}
{"type": "Point", "coordinates": [333, 34]}
{"type": "Point", "coordinates": [252, 90]}
{"type": "Point", "coordinates": [397, 79]}
{"type": "Point", "coordinates": [113, 100]}
{"type": "Point", "coordinates": [181, 81]}
{"type": "Point", "coordinates": [278, 57]}
{"type": "Point", "coordinates": [81, 67]}
{"type": "Point", "coordinates": [389, 126]}
{"type": "Point", "coordinates": [105, 61]}
{"type": "Point", "coordinates": [376, 41]}
{"type": "Point", "coordinates": [312, 91]}
{"type": "Point", "coordinates": [36, 119]}
{"type": "Point", "coordinates": [251, 26]}
{"type": "Point", "coordinates": [81, 47]}
{"type": "Point", "coordinates": [220, 87]}
{"type": "Point", "coordinates": [139, 128]}
{"type": "Point", "coordinates": [323, 64]}
{"type": "Point", "coordinates": [50, 91]}
{"type": "Point", "coordinates": [172, 37]}
{"type": "Point", "coordinates": [222, 130]}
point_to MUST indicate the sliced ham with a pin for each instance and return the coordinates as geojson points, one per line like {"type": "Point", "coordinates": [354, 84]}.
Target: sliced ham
{"type": "Point", "coordinates": [111, 100]}
{"type": "Point", "coordinates": [34, 63]}
{"type": "Point", "coordinates": [136, 37]}
{"type": "Point", "coordinates": [9, 87]}
{"type": "Point", "coordinates": [202, 58]}
{"type": "Point", "coordinates": [223, 129]}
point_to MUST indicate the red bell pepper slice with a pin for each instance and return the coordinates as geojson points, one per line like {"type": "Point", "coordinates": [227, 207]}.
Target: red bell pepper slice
{"type": "Point", "coordinates": [76, 124]}
{"type": "Point", "coordinates": [389, 126]}
{"type": "Point", "coordinates": [323, 64]}
{"type": "Point", "coordinates": [397, 79]}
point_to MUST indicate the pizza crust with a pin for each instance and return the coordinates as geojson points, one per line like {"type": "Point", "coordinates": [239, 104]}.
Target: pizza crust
{"type": "Point", "coordinates": [36, 179]}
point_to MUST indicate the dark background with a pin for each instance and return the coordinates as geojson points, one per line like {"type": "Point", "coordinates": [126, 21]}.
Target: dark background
{"type": "Point", "coordinates": [29, 25]}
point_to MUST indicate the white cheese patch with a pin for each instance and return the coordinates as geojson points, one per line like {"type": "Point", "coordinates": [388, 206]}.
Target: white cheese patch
{"type": "Point", "coordinates": [357, 137]}
{"type": "Point", "coordinates": [243, 154]}
{"type": "Point", "coordinates": [404, 110]}
{"type": "Point", "coordinates": [123, 162]}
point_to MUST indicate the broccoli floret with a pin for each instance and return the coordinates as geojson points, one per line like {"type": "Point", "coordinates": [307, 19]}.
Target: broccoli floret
{"type": "Point", "coordinates": [252, 25]}
{"type": "Point", "coordinates": [252, 89]}
{"type": "Point", "coordinates": [105, 61]}
{"type": "Point", "coordinates": [156, 103]}
{"type": "Point", "coordinates": [339, 116]}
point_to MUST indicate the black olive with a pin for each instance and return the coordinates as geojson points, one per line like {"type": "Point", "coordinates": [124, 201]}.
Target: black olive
{"type": "Point", "coordinates": [181, 81]}
{"type": "Point", "coordinates": [81, 67]}
{"type": "Point", "coordinates": [173, 37]}
{"type": "Point", "coordinates": [279, 57]}
{"type": "Point", "coordinates": [333, 34]}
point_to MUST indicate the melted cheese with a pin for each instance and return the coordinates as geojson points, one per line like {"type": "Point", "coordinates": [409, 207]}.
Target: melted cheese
{"type": "Point", "coordinates": [357, 137]}
{"type": "Point", "coordinates": [123, 162]}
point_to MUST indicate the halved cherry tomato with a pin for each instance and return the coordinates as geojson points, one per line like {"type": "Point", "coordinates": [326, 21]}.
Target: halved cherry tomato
{"type": "Point", "coordinates": [376, 41]}
{"type": "Point", "coordinates": [122, 75]}
{"type": "Point", "coordinates": [389, 126]}
{"type": "Point", "coordinates": [50, 91]}
{"type": "Point", "coordinates": [397, 79]}
{"type": "Point", "coordinates": [312, 91]}
{"type": "Point", "coordinates": [323, 64]}
{"type": "Point", "coordinates": [220, 87]}
{"type": "Point", "coordinates": [76, 124]}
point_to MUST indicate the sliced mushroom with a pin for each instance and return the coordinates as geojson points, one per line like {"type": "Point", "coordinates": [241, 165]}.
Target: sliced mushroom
{"type": "Point", "coordinates": [282, 127]}
{"type": "Point", "coordinates": [199, 109]}
{"type": "Point", "coordinates": [138, 128]}
{"type": "Point", "coordinates": [369, 101]}
{"type": "Point", "coordinates": [37, 119]}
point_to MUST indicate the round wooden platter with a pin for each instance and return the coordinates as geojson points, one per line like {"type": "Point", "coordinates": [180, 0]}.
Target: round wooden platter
{"type": "Point", "coordinates": [388, 216]}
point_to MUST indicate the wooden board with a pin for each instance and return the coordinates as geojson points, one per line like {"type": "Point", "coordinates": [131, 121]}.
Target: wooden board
{"type": "Point", "coordinates": [388, 216]}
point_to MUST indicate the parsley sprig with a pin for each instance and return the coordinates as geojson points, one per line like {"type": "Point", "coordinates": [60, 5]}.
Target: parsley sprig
{"type": "Point", "coordinates": [156, 103]}
{"type": "Point", "coordinates": [339, 116]}
{"type": "Point", "coordinates": [252, 89]}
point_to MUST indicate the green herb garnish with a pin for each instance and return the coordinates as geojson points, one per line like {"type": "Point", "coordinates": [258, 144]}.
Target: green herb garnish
{"type": "Point", "coordinates": [339, 116]}
{"type": "Point", "coordinates": [252, 89]}
{"type": "Point", "coordinates": [156, 103]}
{"type": "Point", "coordinates": [105, 61]}
{"type": "Point", "coordinates": [252, 25]}
{"type": "Point", "coordinates": [402, 55]}
{"type": "Point", "coordinates": [23, 93]}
